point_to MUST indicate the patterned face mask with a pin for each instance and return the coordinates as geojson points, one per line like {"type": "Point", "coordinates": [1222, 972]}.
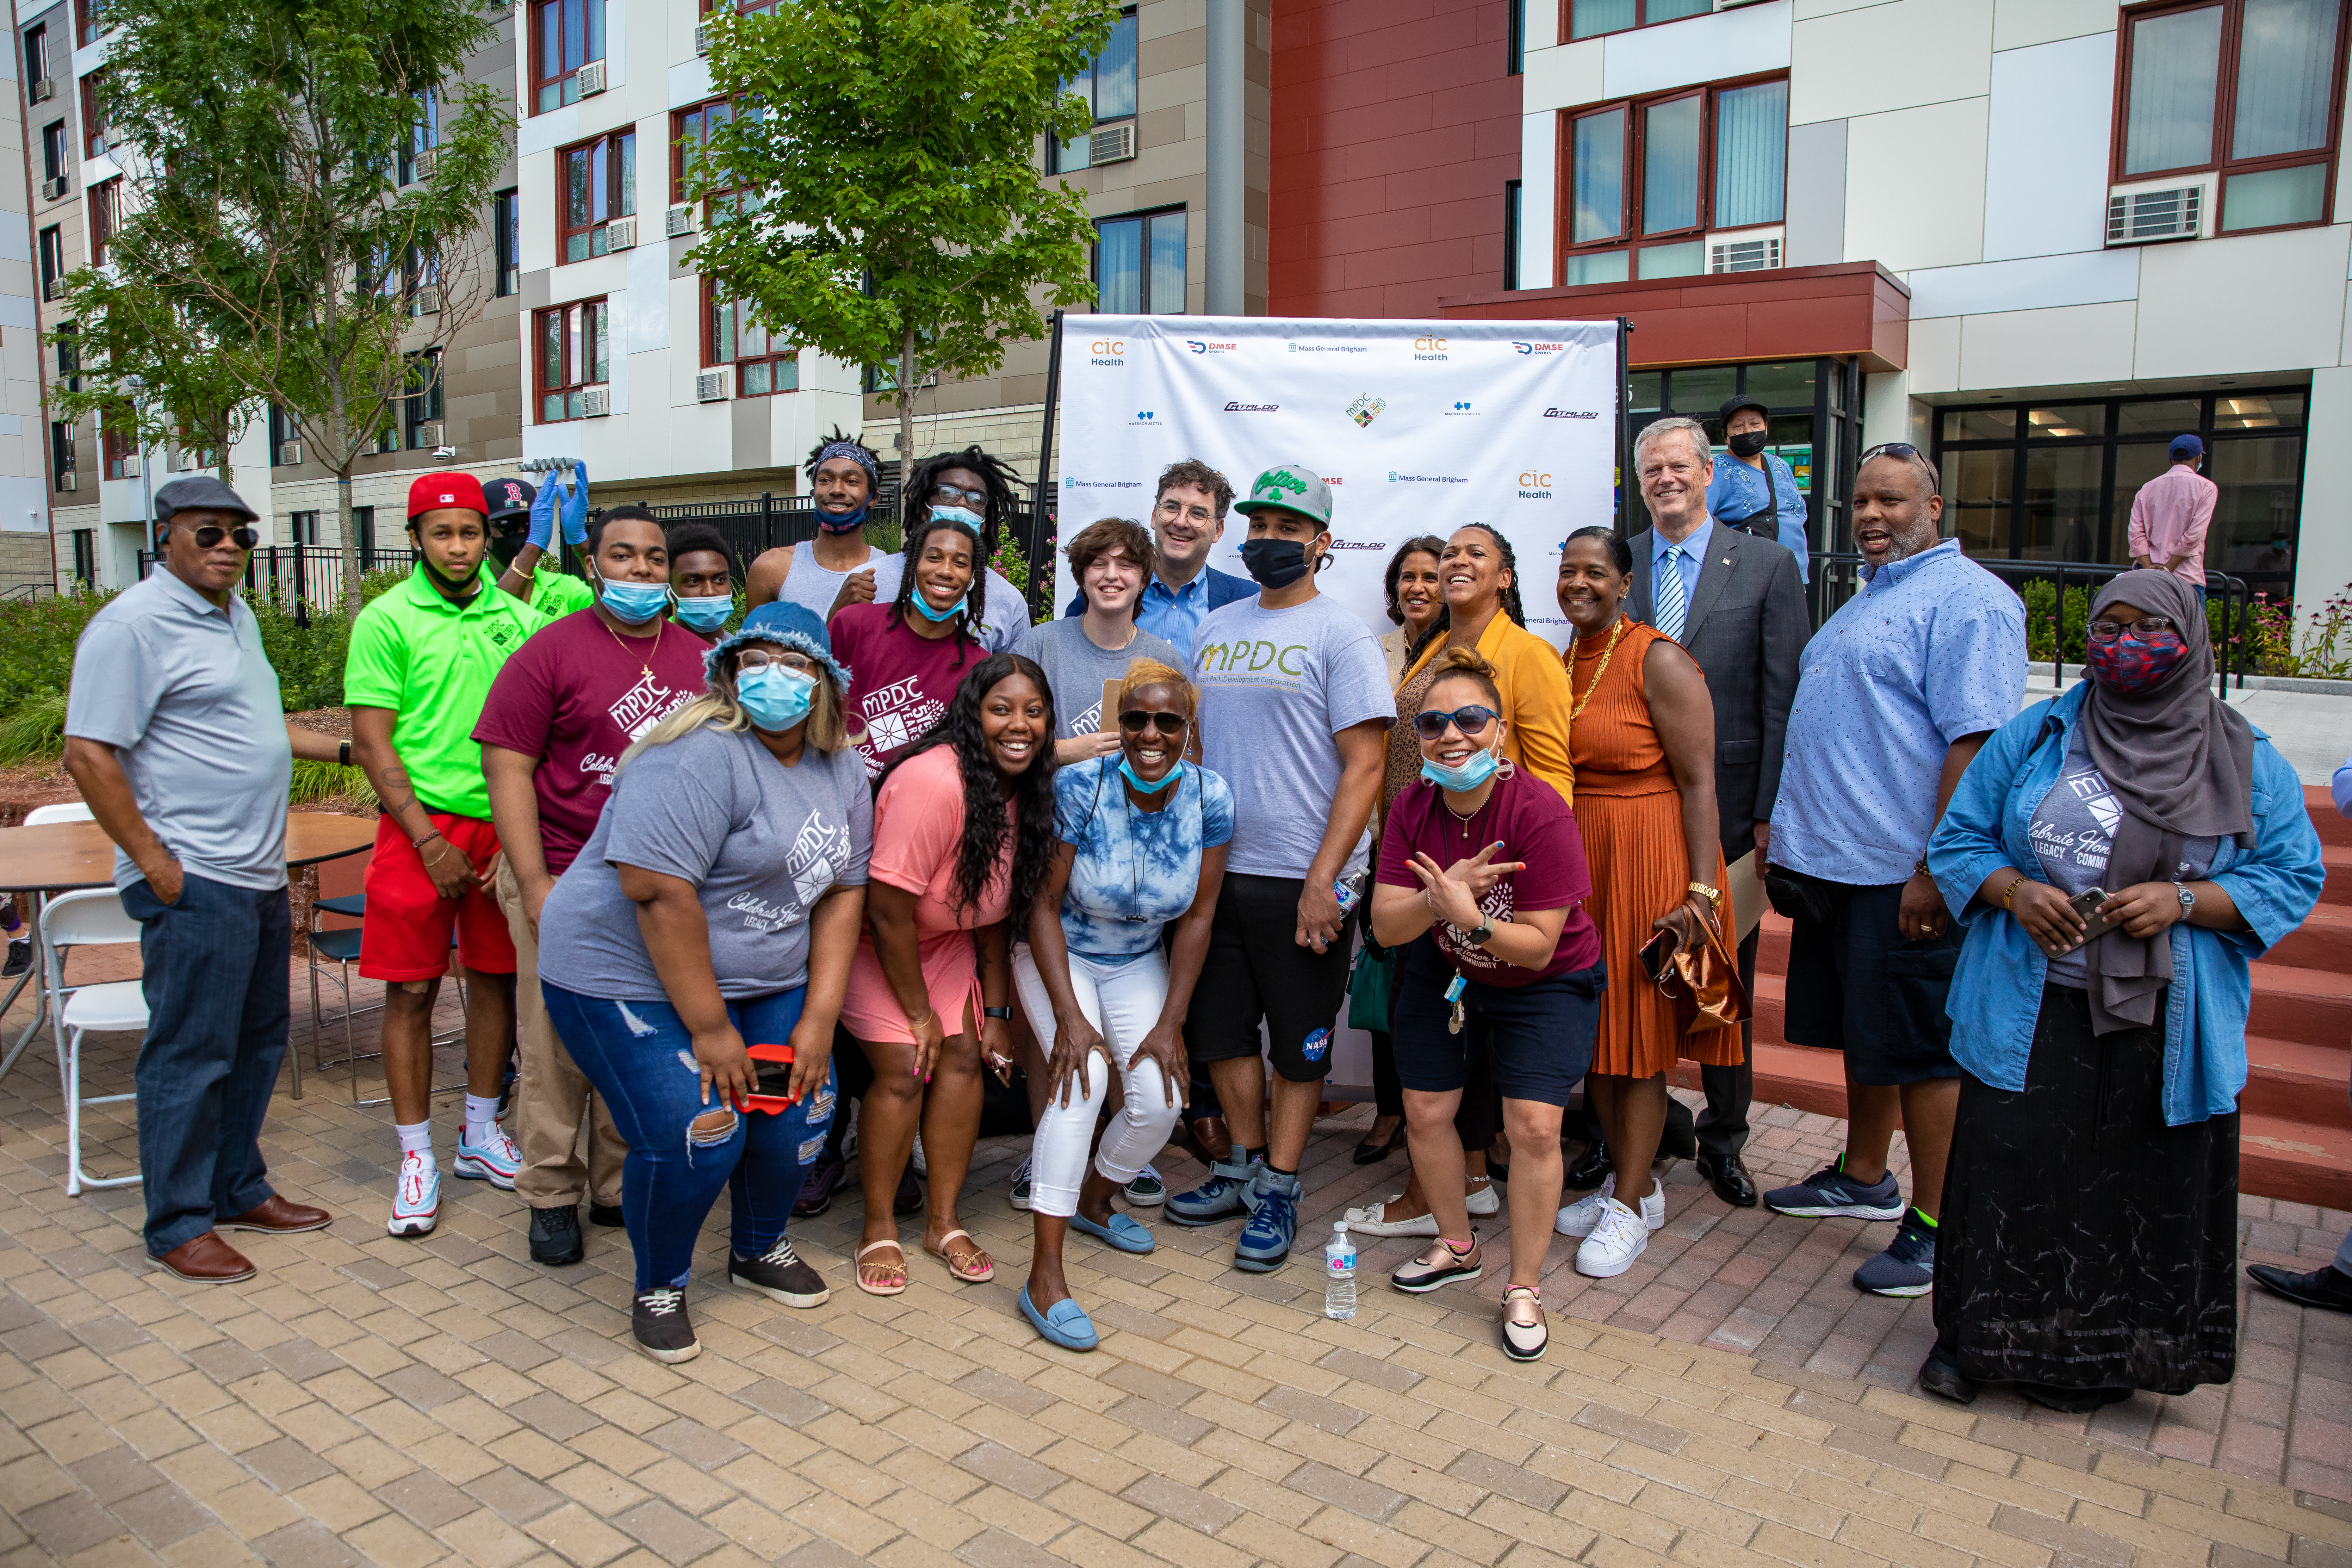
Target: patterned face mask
{"type": "Point", "coordinates": [2132, 665]}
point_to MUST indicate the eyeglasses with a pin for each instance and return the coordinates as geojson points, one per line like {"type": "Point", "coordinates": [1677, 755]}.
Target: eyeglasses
{"type": "Point", "coordinates": [2146, 627]}
{"type": "Point", "coordinates": [760, 659]}
{"type": "Point", "coordinates": [976, 500]}
{"type": "Point", "coordinates": [1135, 719]}
{"type": "Point", "coordinates": [1903, 451]}
{"type": "Point", "coordinates": [212, 533]}
{"type": "Point", "coordinates": [1472, 721]}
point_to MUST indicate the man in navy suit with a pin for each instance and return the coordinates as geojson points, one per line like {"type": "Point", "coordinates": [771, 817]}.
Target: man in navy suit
{"type": "Point", "coordinates": [1188, 518]}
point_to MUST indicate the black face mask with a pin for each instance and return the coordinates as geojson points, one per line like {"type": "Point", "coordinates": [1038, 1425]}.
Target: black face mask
{"type": "Point", "coordinates": [1747, 443]}
{"type": "Point", "coordinates": [1274, 562]}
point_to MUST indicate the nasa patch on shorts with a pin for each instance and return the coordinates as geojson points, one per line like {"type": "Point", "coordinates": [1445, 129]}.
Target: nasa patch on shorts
{"type": "Point", "coordinates": [1318, 1045]}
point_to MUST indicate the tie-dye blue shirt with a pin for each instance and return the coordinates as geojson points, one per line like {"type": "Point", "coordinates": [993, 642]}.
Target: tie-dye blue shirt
{"type": "Point", "coordinates": [1134, 870]}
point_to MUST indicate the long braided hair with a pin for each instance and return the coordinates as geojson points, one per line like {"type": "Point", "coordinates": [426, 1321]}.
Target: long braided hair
{"type": "Point", "coordinates": [902, 608]}
{"type": "Point", "coordinates": [984, 797]}
{"type": "Point", "coordinates": [996, 476]}
{"type": "Point", "coordinates": [1443, 625]}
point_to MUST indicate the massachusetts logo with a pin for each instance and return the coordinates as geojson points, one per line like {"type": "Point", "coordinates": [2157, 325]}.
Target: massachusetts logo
{"type": "Point", "coordinates": [1365, 409]}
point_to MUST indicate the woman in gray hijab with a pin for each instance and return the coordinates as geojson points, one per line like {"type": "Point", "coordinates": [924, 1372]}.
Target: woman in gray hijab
{"type": "Point", "coordinates": [2117, 856]}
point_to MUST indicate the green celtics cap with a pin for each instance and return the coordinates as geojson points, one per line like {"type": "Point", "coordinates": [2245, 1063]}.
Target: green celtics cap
{"type": "Point", "coordinates": [1291, 487]}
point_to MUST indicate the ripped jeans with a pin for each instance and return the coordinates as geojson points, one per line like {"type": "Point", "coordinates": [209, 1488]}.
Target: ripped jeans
{"type": "Point", "coordinates": [641, 1060]}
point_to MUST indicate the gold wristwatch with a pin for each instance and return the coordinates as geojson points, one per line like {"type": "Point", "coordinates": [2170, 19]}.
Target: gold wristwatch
{"type": "Point", "coordinates": [1712, 894]}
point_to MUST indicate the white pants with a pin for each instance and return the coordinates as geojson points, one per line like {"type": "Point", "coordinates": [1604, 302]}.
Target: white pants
{"type": "Point", "coordinates": [1122, 1002]}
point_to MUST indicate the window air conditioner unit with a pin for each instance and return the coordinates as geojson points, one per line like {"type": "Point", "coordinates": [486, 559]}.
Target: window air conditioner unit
{"type": "Point", "coordinates": [420, 164]}
{"type": "Point", "coordinates": [621, 234]}
{"type": "Point", "coordinates": [710, 386]}
{"type": "Point", "coordinates": [596, 402]}
{"type": "Point", "coordinates": [43, 90]}
{"type": "Point", "coordinates": [679, 220]}
{"type": "Point", "coordinates": [428, 435]}
{"type": "Point", "coordinates": [68, 480]}
{"type": "Point", "coordinates": [131, 466]}
{"type": "Point", "coordinates": [187, 462]}
{"type": "Point", "coordinates": [702, 37]}
{"type": "Point", "coordinates": [55, 190]}
{"type": "Point", "coordinates": [425, 301]}
{"type": "Point", "coordinates": [290, 454]}
{"type": "Point", "coordinates": [54, 288]}
{"type": "Point", "coordinates": [2149, 214]}
{"type": "Point", "coordinates": [1758, 252]}
{"type": "Point", "coordinates": [590, 78]}
{"type": "Point", "coordinates": [1113, 144]}
{"type": "Point", "coordinates": [98, 144]}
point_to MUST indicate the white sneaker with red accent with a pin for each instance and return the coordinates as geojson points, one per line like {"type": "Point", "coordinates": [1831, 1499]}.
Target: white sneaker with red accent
{"type": "Point", "coordinates": [415, 1195]}
{"type": "Point", "coordinates": [495, 1160]}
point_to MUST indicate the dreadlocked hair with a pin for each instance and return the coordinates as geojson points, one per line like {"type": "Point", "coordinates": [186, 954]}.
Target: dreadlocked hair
{"type": "Point", "coordinates": [1511, 564]}
{"type": "Point", "coordinates": [985, 793]}
{"type": "Point", "coordinates": [996, 476]}
{"type": "Point", "coordinates": [902, 608]}
{"type": "Point", "coordinates": [839, 435]}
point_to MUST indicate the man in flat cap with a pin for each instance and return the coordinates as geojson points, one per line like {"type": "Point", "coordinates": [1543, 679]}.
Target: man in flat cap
{"type": "Point", "coordinates": [175, 734]}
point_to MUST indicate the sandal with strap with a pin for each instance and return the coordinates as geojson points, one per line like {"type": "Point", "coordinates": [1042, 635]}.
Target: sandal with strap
{"type": "Point", "coordinates": [969, 1272]}
{"type": "Point", "coordinates": [869, 1287]}
{"type": "Point", "coordinates": [1524, 1334]}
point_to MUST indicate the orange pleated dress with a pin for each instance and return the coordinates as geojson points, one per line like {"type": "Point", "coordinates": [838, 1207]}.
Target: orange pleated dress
{"type": "Point", "coordinates": [1631, 814]}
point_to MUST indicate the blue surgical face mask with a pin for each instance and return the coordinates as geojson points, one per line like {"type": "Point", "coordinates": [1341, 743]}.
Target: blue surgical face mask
{"type": "Point", "coordinates": [961, 516]}
{"type": "Point", "coordinates": [1127, 770]}
{"type": "Point", "coordinates": [634, 603]}
{"type": "Point", "coordinates": [929, 613]}
{"type": "Point", "coordinates": [705, 612]}
{"type": "Point", "coordinates": [1477, 770]}
{"type": "Point", "coordinates": [776, 698]}
{"type": "Point", "coordinates": [844, 522]}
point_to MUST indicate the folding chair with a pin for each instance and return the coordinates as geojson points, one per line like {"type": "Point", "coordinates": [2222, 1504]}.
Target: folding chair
{"type": "Point", "coordinates": [89, 918]}
{"type": "Point", "coordinates": [342, 950]}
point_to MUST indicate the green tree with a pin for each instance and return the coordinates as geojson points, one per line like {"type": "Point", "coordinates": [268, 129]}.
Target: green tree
{"type": "Point", "coordinates": [263, 145]}
{"type": "Point", "coordinates": [877, 197]}
{"type": "Point", "coordinates": [138, 358]}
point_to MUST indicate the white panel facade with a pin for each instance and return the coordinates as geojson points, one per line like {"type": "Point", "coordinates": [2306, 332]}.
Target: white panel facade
{"type": "Point", "coordinates": [2046, 148]}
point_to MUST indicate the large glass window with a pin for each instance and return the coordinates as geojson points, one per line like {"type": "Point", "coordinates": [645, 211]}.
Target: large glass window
{"type": "Point", "coordinates": [1108, 84]}
{"type": "Point", "coordinates": [103, 217]}
{"type": "Point", "coordinates": [53, 150]}
{"type": "Point", "coordinates": [575, 353]}
{"type": "Point", "coordinates": [2245, 87]}
{"type": "Point", "coordinates": [1139, 264]}
{"type": "Point", "coordinates": [53, 262]}
{"type": "Point", "coordinates": [1808, 425]}
{"type": "Point", "coordinates": [36, 57]}
{"type": "Point", "coordinates": [505, 235]}
{"type": "Point", "coordinates": [1590, 19]}
{"type": "Point", "coordinates": [764, 362]}
{"type": "Point", "coordinates": [565, 35]}
{"type": "Point", "coordinates": [600, 184]}
{"type": "Point", "coordinates": [1670, 169]}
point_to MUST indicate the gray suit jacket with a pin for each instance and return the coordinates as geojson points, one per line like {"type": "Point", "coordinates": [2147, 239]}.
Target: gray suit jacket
{"type": "Point", "coordinates": [1747, 628]}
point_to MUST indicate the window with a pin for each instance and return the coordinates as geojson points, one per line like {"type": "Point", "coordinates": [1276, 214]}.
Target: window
{"type": "Point", "coordinates": [763, 364]}
{"type": "Point", "coordinates": [68, 347]}
{"type": "Point", "coordinates": [53, 263]}
{"type": "Point", "coordinates": [600, 184]}
{"type": "Point", "coordinates": [36, 57]}
{"type": "Point", "coordinates": [575, 353]}
{"type": "Point", "coordinates": [1654, 175]}
{"type": "Point", "coordinates": [690, 133]}
{"type": "Point", "coordinates": [1139, 264]}
{"type": "Point", "coordinates": [363, 530]}
{"type": "Point", "coordinates": [423, 406]}
{"type": "Point", "coordinates": [1108, 84]}
{"type": "Point", "coordinates": [85, 558]}
{"type": "Point", "coordinates": [93, 114]}
{"type": "Point", "coordinates": [506, 239]}
{"type": "Point", "coordinates": [53, 150]}
{"type": "Point", "coordinates": [117, 445]}
{"type": "Point", "coordinates": [281, 431]}
{"type": "Point", "coordinates": [416, 152]}
{"type": "Point", "coordinates": [88, 24]}
{"type": "Point", "coordinates": [2246, 88]}
{"type": "Point", "coordinates": [1590, 19]}
{"type": "Point", "coordinates": [1515, 47]}
{"type": "Point", "coordinates": [61, 448]}
{"type": "Point", "coordinates": [102, 217]}
{"type": "Point", "coordinates": [1511, 206]}
{"type": "Point", "coordinates": [565, 35]}
{"type": "Point", "coordinates": [302, 528]}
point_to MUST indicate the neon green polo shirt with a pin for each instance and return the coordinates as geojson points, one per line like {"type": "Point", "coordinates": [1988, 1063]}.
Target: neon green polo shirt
{"type": "Point", "coordinates": [554, 593]}
{"type": "Point", "coordinates": [431, 663]}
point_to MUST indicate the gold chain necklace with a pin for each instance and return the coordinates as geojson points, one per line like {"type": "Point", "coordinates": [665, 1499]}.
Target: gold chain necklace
{"type": "Point", "coordinates": [1607, 654]}
{"type": "Point", "coordinates": [645, 660]}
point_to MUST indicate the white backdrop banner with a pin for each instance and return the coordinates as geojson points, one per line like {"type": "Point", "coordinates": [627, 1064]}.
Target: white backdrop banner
{"type": "Point", "coordinates": [1418, 426]}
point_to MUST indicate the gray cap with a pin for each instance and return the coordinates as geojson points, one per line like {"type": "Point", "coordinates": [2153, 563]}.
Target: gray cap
{"type": "Point", "coordinates": [200, 492]}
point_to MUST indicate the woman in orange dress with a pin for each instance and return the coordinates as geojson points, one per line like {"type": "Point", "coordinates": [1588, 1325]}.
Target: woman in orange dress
{"type": "Point", "coordinates": [1642, 739]}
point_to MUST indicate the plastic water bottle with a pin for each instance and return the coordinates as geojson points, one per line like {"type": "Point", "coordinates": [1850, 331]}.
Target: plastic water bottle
{"type": "Point", "coordinates": [1339, 1273]}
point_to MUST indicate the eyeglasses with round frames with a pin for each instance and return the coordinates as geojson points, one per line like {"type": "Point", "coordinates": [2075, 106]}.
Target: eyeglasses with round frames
{"type": "Point", "coordinates": [761, 659]}
{"type": "Point", "coordinates": [2146, 627]}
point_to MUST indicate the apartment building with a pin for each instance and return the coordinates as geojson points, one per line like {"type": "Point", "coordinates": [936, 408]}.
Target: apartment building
{"type": "Point", "coordinates": [96, 483]}
{"type": "Point", "coordinates": [24, 491]}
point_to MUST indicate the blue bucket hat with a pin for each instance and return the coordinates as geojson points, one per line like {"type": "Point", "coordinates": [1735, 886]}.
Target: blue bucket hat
{"type": "Point", "coordinates": [787, 624]}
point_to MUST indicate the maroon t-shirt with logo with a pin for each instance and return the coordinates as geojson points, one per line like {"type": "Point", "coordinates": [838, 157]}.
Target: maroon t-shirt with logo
{"type": "Point", "coordinates": [900, 682]}
{"type": "Point", "coordinates": [574, 696]}
{"type": "Point", "coordinates": [1535, 825]}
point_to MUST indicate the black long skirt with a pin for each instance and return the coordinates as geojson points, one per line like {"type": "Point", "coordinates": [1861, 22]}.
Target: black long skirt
{"type": "Point", "coordinates": [2085, 1243]}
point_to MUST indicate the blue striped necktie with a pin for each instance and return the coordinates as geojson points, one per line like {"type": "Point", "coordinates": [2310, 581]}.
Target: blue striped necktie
{"type": "Point", "coordinates": [1672, 605]}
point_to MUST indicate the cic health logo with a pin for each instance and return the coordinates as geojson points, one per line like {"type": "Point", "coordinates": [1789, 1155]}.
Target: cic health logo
{"type": "Point", "coordinates": [1107, 350]}
{"type": "Point", "coordinates": [1534, 484]}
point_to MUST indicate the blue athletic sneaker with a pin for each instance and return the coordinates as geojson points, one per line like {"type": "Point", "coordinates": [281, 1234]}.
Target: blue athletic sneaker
{"type": "Point", "coordinates": [1829, 1191]}
{"type": "Point", "coordinates": [1231, 1189]}
{"type": "Point", "coordinates": [1907, 1267]}
{"type": "Point", "coordinates": [1265, 1243]}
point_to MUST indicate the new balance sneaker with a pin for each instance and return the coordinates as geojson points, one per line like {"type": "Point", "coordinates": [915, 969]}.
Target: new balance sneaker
{"type": "Point", "coordinates": [1231, 1189]}
{"type": "Point", "coordinates": [1620, 1237]}
{"type": "Point", "coordinates": [1907, 1267]}
{"type": "Point", "coordinates": [415, 1195]}
{"type": "Point", "coordinates": [781, 1273]}
{"type": "Point", "coordinates": [1264, 1242]}
{"type": "Point", "coordinates": [495, 1159]}
{"type": "Point", "coordinates": [1829, 1191]}
{"type": "Point", "coordinates": [664, 1330]}
{"type": "Point", "coordinates": [1147, 1191]}
{"type": "Point", "coordinates": [1021, 1184]}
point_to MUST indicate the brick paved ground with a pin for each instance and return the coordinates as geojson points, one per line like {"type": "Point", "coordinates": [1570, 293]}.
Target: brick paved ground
{"type": "Point", "coordinates": [1729, 1401]}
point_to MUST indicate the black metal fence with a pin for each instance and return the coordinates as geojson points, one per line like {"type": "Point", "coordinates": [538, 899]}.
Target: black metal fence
{"type": "Point", "coordinates": [300, 577]}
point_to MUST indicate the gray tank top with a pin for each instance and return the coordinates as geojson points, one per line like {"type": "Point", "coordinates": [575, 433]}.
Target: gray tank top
{"type": "Point", "coordinates": [813, 586]}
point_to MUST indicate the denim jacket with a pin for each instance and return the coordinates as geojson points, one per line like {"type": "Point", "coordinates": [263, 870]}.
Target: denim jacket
{"type": "Point", "coordinates": [1996, 995]}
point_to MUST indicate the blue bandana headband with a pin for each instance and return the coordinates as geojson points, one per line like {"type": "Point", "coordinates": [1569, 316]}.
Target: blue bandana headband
{"type": "Point", "coordinates": [855, 453]}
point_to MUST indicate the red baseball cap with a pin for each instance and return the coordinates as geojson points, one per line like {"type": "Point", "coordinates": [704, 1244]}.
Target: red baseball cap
{"type": "Point", "coordinates": [456, 489]}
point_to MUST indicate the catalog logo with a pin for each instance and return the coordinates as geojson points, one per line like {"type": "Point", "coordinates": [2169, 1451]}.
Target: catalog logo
{"type": "Point", "coordinates": [1534, 484]}
{"type": "Point", "coordinates": [1107, 350]}
{"type": "Point", "coordinates": [1365, 409]}
{"type": "Point", "coordinates": [1252, 407]}
{"type": "Point", "coordinates": [1429, 349]}
{"type": "Point", "coordinates": [1538, 348]}
{"type": "Point", "coordinates": [1571, 413]}
{"type": "Point", "coordinates": [1201, 347]}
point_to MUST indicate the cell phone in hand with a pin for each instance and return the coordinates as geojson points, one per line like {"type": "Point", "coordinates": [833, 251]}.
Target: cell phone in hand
{"type": "Point", "coordinates": [2086, 904]}
{"type": "Point", "coordinates": [771, 1071]}
{"type": "Point", "coordinates": [1658, 954]}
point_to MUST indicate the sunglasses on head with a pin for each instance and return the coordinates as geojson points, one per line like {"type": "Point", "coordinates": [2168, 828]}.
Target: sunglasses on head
{"type": "Point", "coordinates": [1903, 451]}
{"type": "Point", "coordinates": [212, 533]}
{"type": "Point", "coordinates": [1134, 720]}
{"type": "Point", "coordinates": [1472, 720]}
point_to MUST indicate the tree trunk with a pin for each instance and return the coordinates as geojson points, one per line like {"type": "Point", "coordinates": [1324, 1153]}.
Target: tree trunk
{"type": "Point", "coordinates": [220, 445]}
{"type": "Point", "coordinates": [351, 542]}
{"type": "Point", "coordinates": [906, 426]}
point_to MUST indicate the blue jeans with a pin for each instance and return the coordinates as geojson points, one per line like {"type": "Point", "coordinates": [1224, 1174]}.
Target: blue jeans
{"type": "Point", "coordinates": [640, 1057]}
{"type": "Point", "coordinates": [215, 982]}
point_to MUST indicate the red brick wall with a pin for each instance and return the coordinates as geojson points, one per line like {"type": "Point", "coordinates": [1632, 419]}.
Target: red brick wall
{"type": "Point", "coordinates": [1395, 124]}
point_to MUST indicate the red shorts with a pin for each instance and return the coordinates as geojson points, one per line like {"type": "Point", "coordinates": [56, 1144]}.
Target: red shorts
{"type": "Point", "coordinates": [406, 933]}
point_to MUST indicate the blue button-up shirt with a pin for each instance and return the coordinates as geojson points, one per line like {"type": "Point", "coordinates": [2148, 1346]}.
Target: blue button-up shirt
{"type": "Point", "coordinates": [1174, 613]}
{"type": "Point", "coordinates": [1930, 650]}
{"type": "Point", "coordinates": [1738, 491]}
{"type": "Point", "coordinates": [1694, 556]}
{"type": "Point", "coordinates": [1996, 995]}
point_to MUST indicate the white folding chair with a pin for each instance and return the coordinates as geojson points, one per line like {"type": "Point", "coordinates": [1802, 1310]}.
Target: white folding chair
{"type": "Point", "coordinates": [64, 811]}
{"type": "Point", "coordinates": [40, 816]}
{"type": "Point", "coordinates": [91, 919]}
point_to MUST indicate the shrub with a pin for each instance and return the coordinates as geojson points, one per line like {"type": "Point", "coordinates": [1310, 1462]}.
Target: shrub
{"type": "Point", "coordinates": [35, 730]}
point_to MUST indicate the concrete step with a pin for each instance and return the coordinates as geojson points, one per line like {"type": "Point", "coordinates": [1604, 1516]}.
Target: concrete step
{"type": "Point", "coordinates": [2298, 1080]}
{"type": "Point", "coordinates": [2333, 829]}
{"type": "Point", "coordinates": [2323, 942]}
{"type": "Point", "coordinates": [2297, 1004]}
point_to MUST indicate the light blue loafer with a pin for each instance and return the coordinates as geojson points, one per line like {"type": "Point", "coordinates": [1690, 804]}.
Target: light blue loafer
{"type": "Point", "coordinates": [1066, 1325]}
{"type": "Point", "coordinates": [1121, 1232]}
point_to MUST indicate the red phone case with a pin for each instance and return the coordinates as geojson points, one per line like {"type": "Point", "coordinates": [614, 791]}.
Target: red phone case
{"type": "Point", "coordinates": [769, 1102]}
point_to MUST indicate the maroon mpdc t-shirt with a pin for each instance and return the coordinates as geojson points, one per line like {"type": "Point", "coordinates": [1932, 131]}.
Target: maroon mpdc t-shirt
{"type": "Point", "coordinates": [574, 696]}
{"type": "Point", "coordinates": [1535, 825]}
{"type": "Point", "coordinates": [900, 682]}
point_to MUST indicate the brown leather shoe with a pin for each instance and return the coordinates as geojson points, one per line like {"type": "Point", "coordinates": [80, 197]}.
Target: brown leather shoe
{"type": "Point", "coordinates": [279, 1217]}
{"type": "Point", "coordinates": [207, 1260]}
{"type": "Point", "coordinates": [1212, 1137]}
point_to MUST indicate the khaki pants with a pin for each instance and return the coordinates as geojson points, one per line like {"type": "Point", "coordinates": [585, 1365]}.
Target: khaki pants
{"type": "Point", "coordinates": [551, 1097]}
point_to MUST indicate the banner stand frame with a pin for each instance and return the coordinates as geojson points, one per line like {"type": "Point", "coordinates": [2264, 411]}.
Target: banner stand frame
{"type": "Point", "coordinates": [1043, 525]}
{"type": "Point", "coordinates": [1626, 490]}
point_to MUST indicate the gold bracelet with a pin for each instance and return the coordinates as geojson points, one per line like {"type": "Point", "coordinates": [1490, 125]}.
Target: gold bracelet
{"type": "Point", "coordinates": [2011, 891]}
{"type": "Point", "coordinates": [1714, 896]}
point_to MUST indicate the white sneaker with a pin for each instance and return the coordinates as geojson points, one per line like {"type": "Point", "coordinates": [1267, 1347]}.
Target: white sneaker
{"type": "Point", "coordinates": [1369, 1220]}
{"type": "Point", "coordinates": [1654, 1207]}
{"type": "Point", "coordinates": [1615, 1242]}
{"type": "Point", "coordinates": [495, 1159]}
{"type": "Point", "coordinates": [1486, 1200]}
{"type": "Point", "coordinates": [416, 1196]}
{"type": "Point", "coordinates": [1579, 1218]}
{"type": "Point", "coordinates": [915, 1161]}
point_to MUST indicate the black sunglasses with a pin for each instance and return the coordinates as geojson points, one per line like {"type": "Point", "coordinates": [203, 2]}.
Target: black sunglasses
{"type": "Point", "coordinates": [212, 533]}
{"type": "Point", "coordinates": [1903, 451]}
{"type": "Point", "coordinates": [1470, 720]}
{"type": "Point", "coordinates": [1134, 720]}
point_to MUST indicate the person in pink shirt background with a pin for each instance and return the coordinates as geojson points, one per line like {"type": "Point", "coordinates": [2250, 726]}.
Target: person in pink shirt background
{"type": "Point", "coordinates": [2170, 515]}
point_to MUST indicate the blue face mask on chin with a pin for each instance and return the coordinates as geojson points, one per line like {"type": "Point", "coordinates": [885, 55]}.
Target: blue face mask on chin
{"type": "Point", "coordinates": [1127, 770]}
{"type": "Point", "coordinates": [775, 698]}
{"type": "Point", "coordinates": [842, 522]}
{"type": "Point", "coordinates": [1480, 767]}
{"type": "Point", "coordinates": [704, 612]}
{"type": "Point", "coordinates": [928, 614]}
{"type": "Point", "coordinates": [634, 603]}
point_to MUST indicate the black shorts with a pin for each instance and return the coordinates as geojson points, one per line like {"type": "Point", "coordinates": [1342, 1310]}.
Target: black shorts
{"type": "Point", "coordinates": [1255, 970]}
{"type": "Point", "coordinates": [1856, 986]}
{"type": "Point", "coordinates": [1540, 1034]}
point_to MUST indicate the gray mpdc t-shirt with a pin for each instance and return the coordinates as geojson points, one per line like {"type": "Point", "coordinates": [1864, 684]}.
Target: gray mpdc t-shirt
{"type": "Point", "coordinates": [1075, 669]}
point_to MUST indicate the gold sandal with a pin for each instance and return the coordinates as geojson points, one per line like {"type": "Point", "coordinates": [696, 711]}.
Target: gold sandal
{"type": "Point", "coordinates": [872, 1288]}
{"type": "Point", "coordinates": [969, 1272]}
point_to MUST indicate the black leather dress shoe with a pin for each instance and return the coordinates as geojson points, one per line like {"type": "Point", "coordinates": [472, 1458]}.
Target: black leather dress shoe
{"type": "Point", "coordinates": [2328, 1286]}
{"type": "Point", "coordinates": [1590, 1170]}
{"type": "Point", "coordinates": [1730, 1178]}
